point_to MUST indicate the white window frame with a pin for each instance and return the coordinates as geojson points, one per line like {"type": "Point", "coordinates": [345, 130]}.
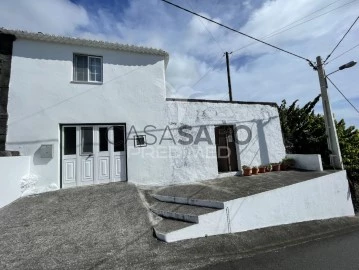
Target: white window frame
{"type": "Point", "coordinates": [82, 153]}
{"type": "Point", "coordinates": [88, 68]}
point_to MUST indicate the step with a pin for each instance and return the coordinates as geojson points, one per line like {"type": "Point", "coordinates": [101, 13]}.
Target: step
{"type": "Point", "coordinates": [188, 213]}
{"type": "Point", "coordinates": [189, 201]}
{"type": "Point", "coordinates": [167, 226]}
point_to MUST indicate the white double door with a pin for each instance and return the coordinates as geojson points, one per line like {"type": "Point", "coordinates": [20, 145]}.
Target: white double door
{"type": "Point", "coordinates": [93, 154]}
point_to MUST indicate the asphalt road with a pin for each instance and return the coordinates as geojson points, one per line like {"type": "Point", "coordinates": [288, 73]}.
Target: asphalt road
{"type": "Point", "coordinates": [339, 252]}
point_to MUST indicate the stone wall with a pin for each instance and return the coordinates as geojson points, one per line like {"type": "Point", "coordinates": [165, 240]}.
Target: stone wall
{"type": "Point", "coordinates": [6, 44]}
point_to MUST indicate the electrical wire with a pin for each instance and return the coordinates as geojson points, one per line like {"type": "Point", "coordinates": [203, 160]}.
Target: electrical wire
{"type": "Point", "coordinates": [205, 27]}
{"type": "Point", "coordinates": [340, 55]}
{"type": "Point", "coordinates": [279, 31]}
{"type": "Point", "coordinates": [208, 71]}
{"type": "Point", "coordinates": [329, 55]}
{"type": "Point", "coordinates": [234, 30]}
{"type": "Point", "coordinates": [342, 94]}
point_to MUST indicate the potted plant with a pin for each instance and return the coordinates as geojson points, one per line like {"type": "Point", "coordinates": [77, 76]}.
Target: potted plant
{"type": "Point", "coordinates": [287, 163]}
{"type": "Point", "coordinates": [276, 167]}
{"type": "Point", "coordinates": [269, 168]}
{"type": "Point", "coordinates": [262, 169]}
{"type": "Point", "coordinates": [247, 171]}
{"type": "Point", "coordinates": [255, 170]}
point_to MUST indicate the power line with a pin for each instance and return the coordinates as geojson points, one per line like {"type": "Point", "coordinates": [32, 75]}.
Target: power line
{"type": "Point", "coordinates": [234, 30]}
{"type": "Point", "coordinates": [278, 31]}
{"type": "Point", "coordinates": [209, 70]}
{"type": "Point", "coordinates": [332, 3]}
{"type": "Point", "coordinates": [343, 54]}
{"type": "Point", "coordinates": [342, 94]}
{"type": "Point", "coordinates": [341, 40]}
{"type": "Point", "coordinates": [316, 11]}
{"type": "Point", "coordinates": [215, 40]}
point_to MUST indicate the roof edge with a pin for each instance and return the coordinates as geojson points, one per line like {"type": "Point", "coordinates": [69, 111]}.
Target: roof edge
{"type": "Point", "coordinates": [85, 42]}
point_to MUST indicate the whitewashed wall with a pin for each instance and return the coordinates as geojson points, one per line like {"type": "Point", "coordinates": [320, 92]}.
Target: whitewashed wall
{"type": "Point", "coordinates": [195, 162]}
{"type": "Point", "coordinates": [42, 96]}
{"type": "Point", "coordinates": [12, 169]}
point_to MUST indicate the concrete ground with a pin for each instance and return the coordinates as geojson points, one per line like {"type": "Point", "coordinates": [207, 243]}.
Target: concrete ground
{"type": "Point", "coordinates": [229, 188]}
{"type": "Point", "coordinates": [109, 227]}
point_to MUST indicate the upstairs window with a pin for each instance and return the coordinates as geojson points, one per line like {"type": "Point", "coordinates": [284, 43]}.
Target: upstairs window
{"type": "Point", "coordinates": [87, 68]}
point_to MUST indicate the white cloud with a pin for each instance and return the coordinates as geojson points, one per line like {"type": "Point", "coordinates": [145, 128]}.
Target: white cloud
{"type": "Point", "coordinates": [258, 72]}
{"type": "Point", "coordinates": [55, 16]}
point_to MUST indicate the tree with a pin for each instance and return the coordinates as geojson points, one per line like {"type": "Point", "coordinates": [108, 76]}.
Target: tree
{"type": "Point", "coordinates": [304, 133]}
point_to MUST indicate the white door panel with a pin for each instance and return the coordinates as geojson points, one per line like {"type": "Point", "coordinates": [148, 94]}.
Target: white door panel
{"type": "Point", "coordinates": [93, 154]}
{"type": "Point", "coordinates": [87, 169]}
{"type": "Point", "coordinates": [69, 172]}
{"type": "Point", "coordinates": [104, 168]}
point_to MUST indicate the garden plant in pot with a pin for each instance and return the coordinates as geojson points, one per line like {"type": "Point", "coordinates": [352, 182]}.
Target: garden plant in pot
{"type": "Point", "coordinates": [276, 167]}
{"type": "Point", "coordinates": [247, 171]}
{"type": "Point", "coordinates": [269, 168]}
{"type": "Point", "coordinates": [287, 163]}
{"type": "Point", "coordinates": [255, 170]}
{"type": "Point", "coordinates": [262, 169]}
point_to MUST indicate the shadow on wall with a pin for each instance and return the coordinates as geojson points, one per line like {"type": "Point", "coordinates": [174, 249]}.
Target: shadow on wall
{"type": "Point", "coordinates": [38, 160]}
{"type": "Point", "coordinates": [64, 52]}
{"type": "Point", "coordinates": [261, 138]}
{"type": "Point", "coordinates": [263, 146]}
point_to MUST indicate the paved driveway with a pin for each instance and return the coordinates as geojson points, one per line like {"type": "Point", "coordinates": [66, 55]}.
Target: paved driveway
{"type": "Point", "coordinates": [108, 227]}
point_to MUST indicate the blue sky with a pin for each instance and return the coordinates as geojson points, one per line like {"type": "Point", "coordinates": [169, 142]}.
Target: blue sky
{"type": "Point", "coordinates": [197, 66]}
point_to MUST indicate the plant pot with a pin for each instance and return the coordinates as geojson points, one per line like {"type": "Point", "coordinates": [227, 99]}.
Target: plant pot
{"type": "Point", "coordinates": [276, 167]}
{"type": "Point", "coordinates": [283, 167]}
{"type": "Point", "coordinates": [262, 169]}
{"type": "Point", "coordinates": [255, 171]}
{"type": "Point", "coordinates": [268, 169]}
{"type": "Point", "coordinates": [247, 172]}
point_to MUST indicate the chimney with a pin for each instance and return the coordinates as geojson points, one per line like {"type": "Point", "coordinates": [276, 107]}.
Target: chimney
{"type": "Point", "coordinates": [6, 45]}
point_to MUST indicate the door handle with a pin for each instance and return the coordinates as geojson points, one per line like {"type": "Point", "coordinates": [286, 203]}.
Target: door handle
{"type": "Point", "coordinates": [90, 155]}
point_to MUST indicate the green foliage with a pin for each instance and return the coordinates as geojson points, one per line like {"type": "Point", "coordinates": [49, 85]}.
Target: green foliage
{"type": "Point", "coordinates": [349, 144]}
{"type": "Point", "coordinates": [304, 133]}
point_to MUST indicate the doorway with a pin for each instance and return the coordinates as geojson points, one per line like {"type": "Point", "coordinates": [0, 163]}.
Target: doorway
{"type": "Point", "coordinates": [226, 149]}
{"type": "Point", "coordinates": [92, 154]}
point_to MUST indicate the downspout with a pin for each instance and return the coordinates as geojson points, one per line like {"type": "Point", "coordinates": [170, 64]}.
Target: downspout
{"type": "Point", "coordinates": [6, 46]}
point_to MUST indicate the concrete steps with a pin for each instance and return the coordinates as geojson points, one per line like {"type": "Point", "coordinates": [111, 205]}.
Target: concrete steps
{"type": "Point", "coordinates": [194, 211]}
{"type": "Point", "coordinates": [189, 201]}
{"type": "Point", "coordinates": [182, 212]}
{"type": "Point", "coordinates": [166, 226]}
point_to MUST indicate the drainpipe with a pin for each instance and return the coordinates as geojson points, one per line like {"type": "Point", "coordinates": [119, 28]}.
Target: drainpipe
{"type": "Point", "coordinates": [6, 45]}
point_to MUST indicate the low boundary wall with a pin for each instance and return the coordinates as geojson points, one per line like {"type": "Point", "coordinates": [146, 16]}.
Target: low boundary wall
{"type": "Point", "coordinates": [12, 169]}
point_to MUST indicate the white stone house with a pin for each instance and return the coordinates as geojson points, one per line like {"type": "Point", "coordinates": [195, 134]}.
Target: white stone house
{"type": "Point", "coordinates": [88, 112]}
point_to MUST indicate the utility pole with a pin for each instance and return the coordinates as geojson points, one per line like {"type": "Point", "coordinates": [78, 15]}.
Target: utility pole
{"type": "Point", "coordinates": [229, 78]}
{"type": "Point", "coordinates": [332, 137]}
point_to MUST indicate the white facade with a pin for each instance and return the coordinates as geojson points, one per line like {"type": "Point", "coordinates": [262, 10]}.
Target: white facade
{"type": "Point", "coordinates": [258, 133]}
{"type": "Point", "coordinates": [43, 98]}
